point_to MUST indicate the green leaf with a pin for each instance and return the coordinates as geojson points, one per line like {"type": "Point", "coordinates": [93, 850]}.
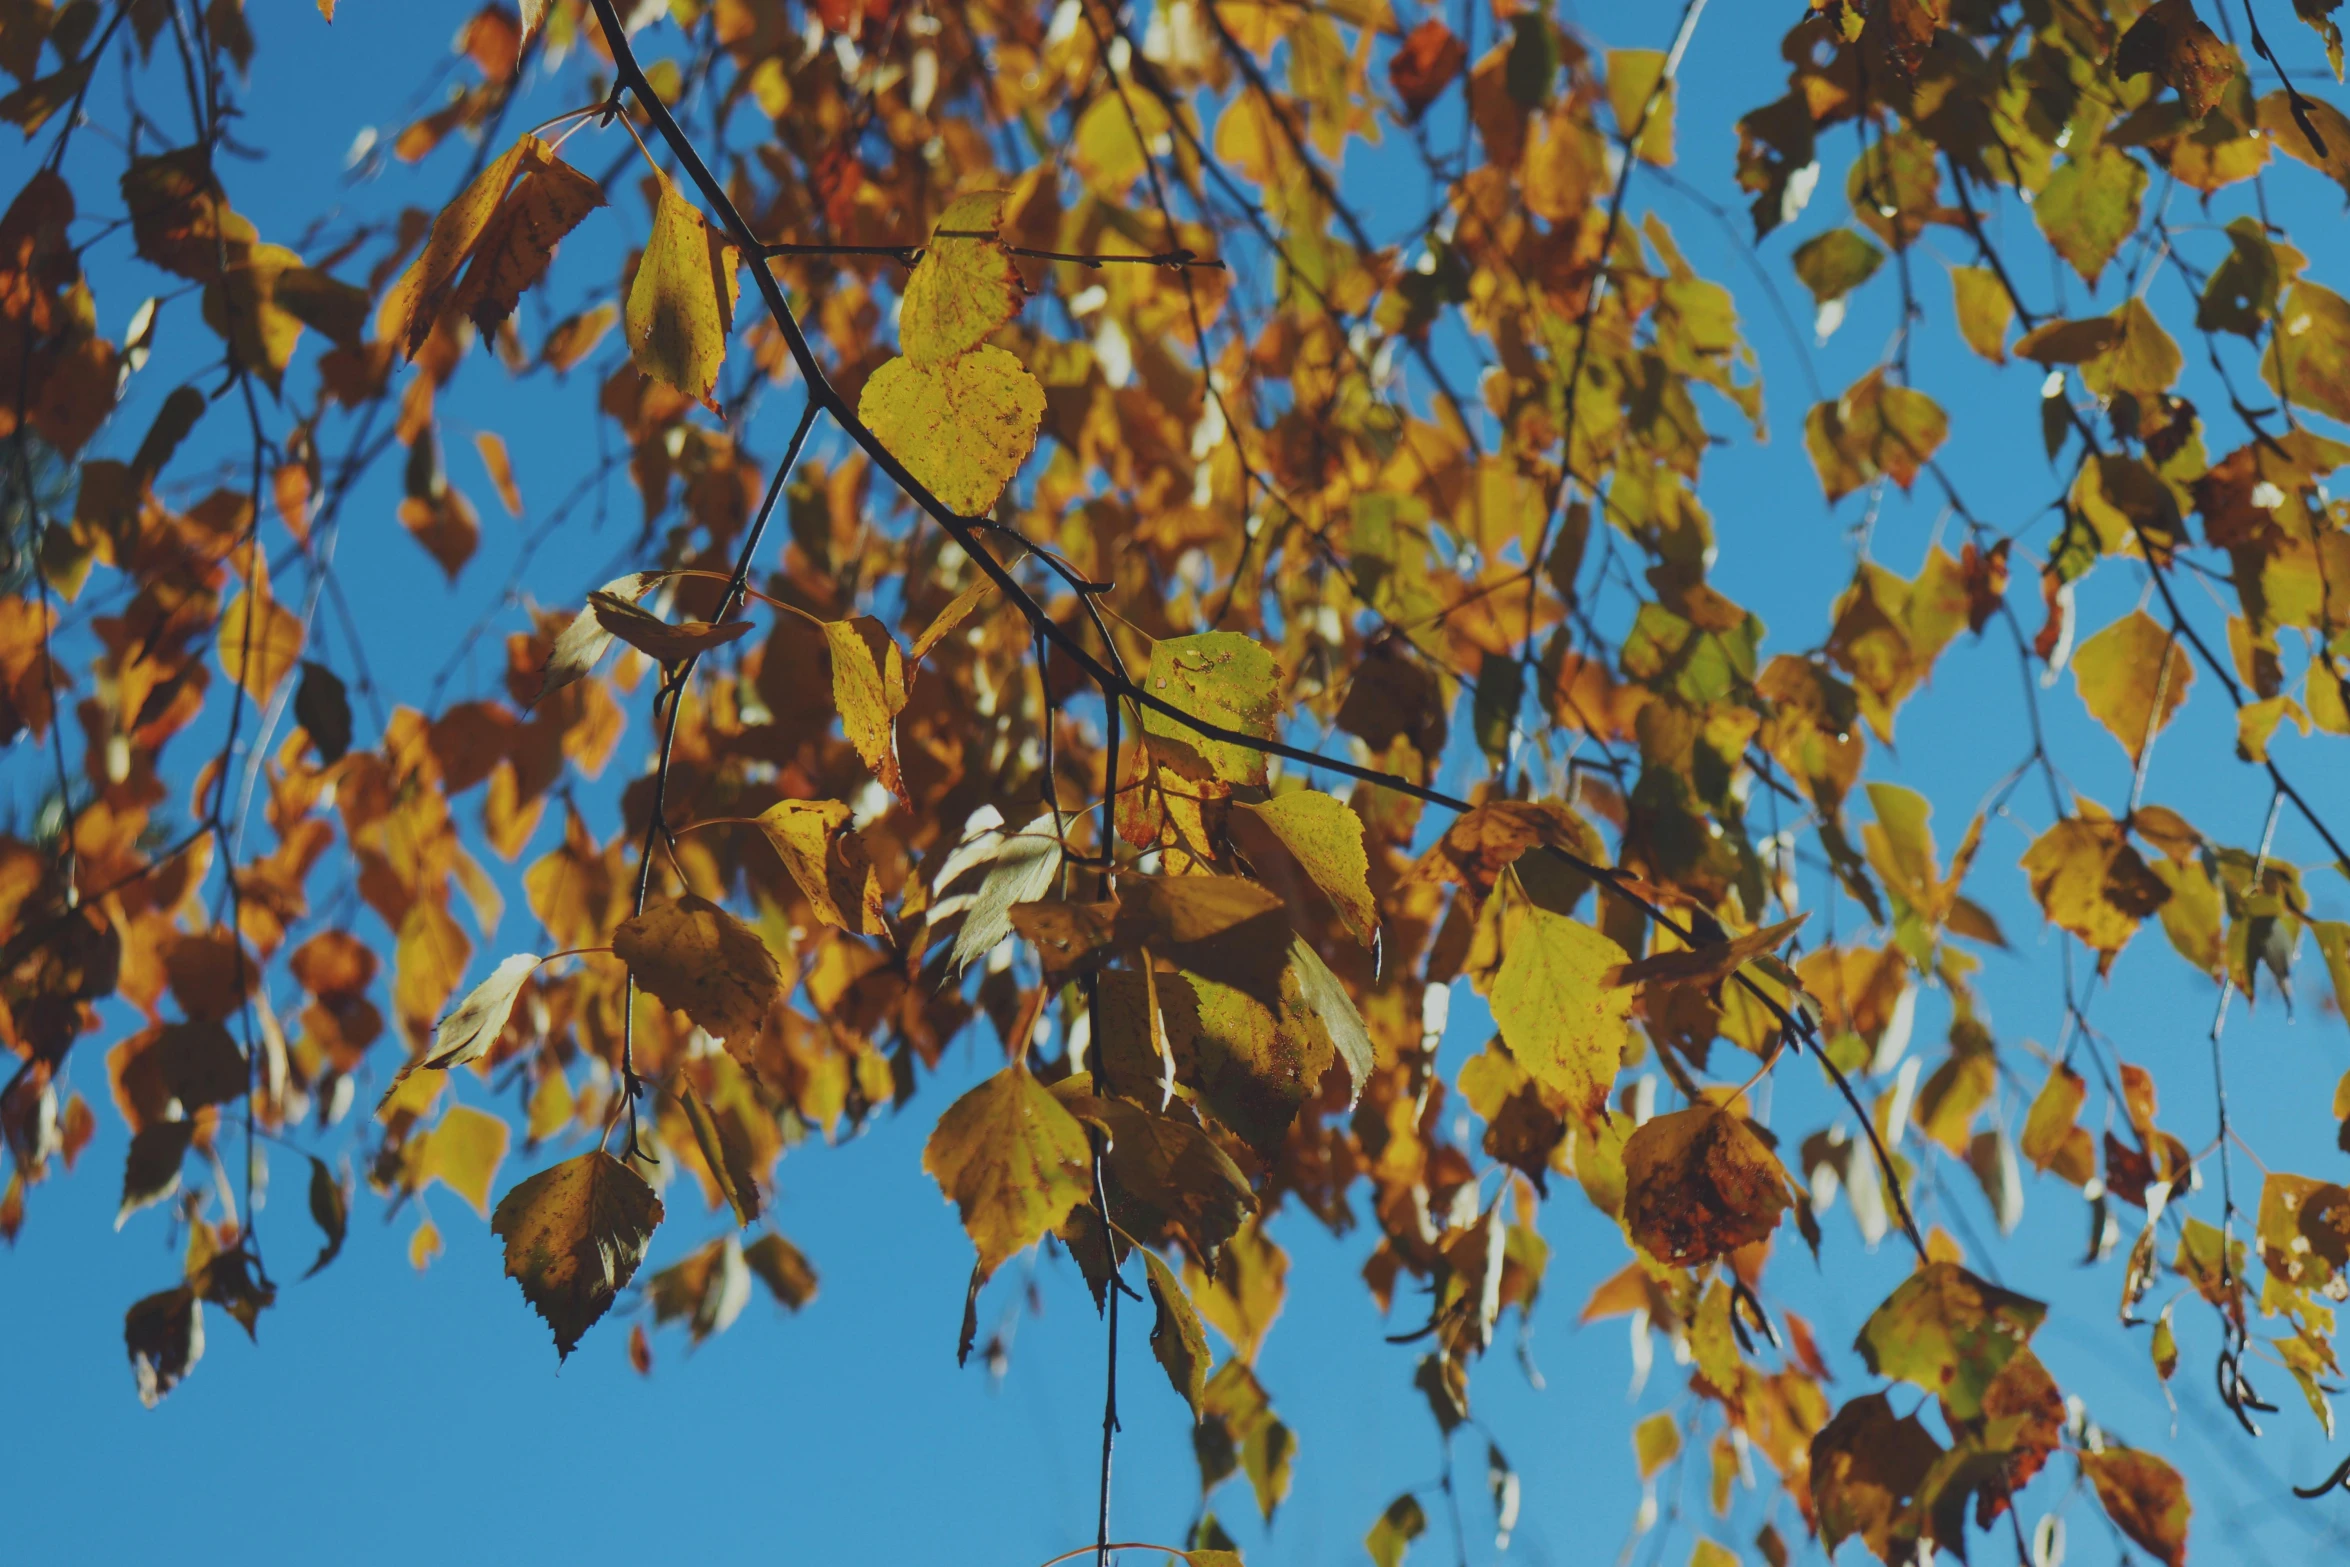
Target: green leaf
{"type": "Point", "coordinates": [2090, 205]}
{"type": "Point", "coordinates": [1224, 679]}
{"type": "Point", "coordinates": [1835, 263]}
{"type": "Point", "coordinates": [575, 1235]}
{"type": "Point", "coordinates": [1948, 1332]}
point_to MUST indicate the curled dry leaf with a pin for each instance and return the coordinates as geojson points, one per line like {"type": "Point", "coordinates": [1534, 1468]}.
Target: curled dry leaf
{"type": "Point", "coordinates": [581, 645]}
{"type": "Point", "coordinates": [467, 1034]}
{"type": "Point", "coordinates": [656, 638]}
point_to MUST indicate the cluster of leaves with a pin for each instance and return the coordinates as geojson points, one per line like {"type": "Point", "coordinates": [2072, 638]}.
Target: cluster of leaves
{"type": "Point", "coordinates": [1145, 480]}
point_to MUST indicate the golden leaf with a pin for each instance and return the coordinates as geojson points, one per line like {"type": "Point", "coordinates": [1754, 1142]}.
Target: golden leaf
{"type": "Point", "coordinates": [963, 288]}
{"type": "Point", "coordinates": [681, 305]}
{"type": "Point", "coordinates": [962, 426]}
{"type": "Point", "coordinates": [702, 961]}
{"type": "Point", "coordinates": [1012, 1160]}
{"type": "Point", "coordinates": [574, 1236]}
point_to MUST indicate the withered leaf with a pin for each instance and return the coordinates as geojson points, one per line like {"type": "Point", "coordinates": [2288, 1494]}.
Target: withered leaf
{"type": "Point", "coordinates": [1699, 1183]}
{"type": "Point", "coordinates": [575, 1234]}
{"type": "Point", "coordinates": [702, 961]}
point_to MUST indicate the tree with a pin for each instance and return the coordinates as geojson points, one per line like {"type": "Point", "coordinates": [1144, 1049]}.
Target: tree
{"type": "Point", "coordinates": [1136, 501]}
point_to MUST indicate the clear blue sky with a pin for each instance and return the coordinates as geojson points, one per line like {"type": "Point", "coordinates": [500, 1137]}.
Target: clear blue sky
{"type": "Point", "coordinates": [388, 1411]}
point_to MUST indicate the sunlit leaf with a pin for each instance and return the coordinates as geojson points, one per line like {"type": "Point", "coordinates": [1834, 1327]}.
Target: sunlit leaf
{"type": "Point", "coordinates": [962, 426]}
{"type": "Point", "coordinates": [574, 1236]}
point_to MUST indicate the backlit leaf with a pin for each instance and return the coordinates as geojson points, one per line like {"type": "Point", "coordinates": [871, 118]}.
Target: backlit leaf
{"type": "Point", "coordinates": [681, 305]}
{"type": "Point", "coordinates": [827, 861]}
{"type": "Point", "coordinates": [1327, 839]}
{"type": "Point", "coordinates": [1949, 1332]}
{"type": "Point", "coordinates": [1221, 678]}
{"type": "Point", "coordinates": [463, 1153]}
{"type": "Point", "coordinates": [2092, 882]}
{"type": "Point", "coordinates": [869, 695]}
{"type": "Point", "coordinates": [2133, 676]}
{"type": "Point", "coordinates": [964, 287]}
{"type": "Point", "coordinates": [1012, 1160]}
{"type": "Point", "coordinates": [1699, 1183]}
{"type": "Point", "coordinates": [2308, 358]}
{"type": "Point", "coordinates": [2090, 205]}
{"type": "Point", "coordinates": [469, 1033]}
{"type": "Point", "coordinates": [1984, 311]}
{"type": "Point", "coordinates": [1561, 1017]}
{"type": "Point", "coordinates": [962, 426]}
{"type": "Point", "coordinates": [260, 639]}
{"type": "Point", "coordinates": [1176, 1337]}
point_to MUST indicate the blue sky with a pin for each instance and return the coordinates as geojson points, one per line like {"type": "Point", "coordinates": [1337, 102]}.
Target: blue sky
{"type": "Point", "coordinates": [387, 1409]}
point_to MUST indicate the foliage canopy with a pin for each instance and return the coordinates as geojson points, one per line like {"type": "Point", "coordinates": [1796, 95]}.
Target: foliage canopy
{"type": "Point", "coordinates": [1198, 639]}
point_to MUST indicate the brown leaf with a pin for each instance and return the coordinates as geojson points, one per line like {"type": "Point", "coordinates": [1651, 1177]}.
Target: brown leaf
{"type": "Point", "coordinates": [656, 638]}
{"type": "Point", "coordinates": [574, 1236]}
{"type": "Point", "coordinates": [702, 961]}
{"type": "Point", "coordinates": [1698, 1183]}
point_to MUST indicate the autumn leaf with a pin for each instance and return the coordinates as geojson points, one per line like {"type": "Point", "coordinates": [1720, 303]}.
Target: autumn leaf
{"type": "Point", "coordinates": [1177, 1340]}
{"type": "Point", "coordinates": [2175, 44]}
{"type": "Point", "coordinates": [463, 1153]}
{"type": "Point", "coordinates": [469, 1033]}
{"type": "Point", "coordinates": [964, 287]}
{"type": "Point", "coordinates": [165, 1336]}
{"type": "Point", "coordinates": [681, 305]}
{"type": "Point", "coordinates": [2133, 676]}
{"type": "Point", "coordinates": [827, 861]}
{"type": "Point", "coordinates": [2308, 358]}
{"type": "Point", "coordinates": [656, 638]}
{"type": "Point", "coordinates": [2092, 882]}
{"type": "Point", "coordinates": [1984, 311]}
{"type": "Point", "coordinates": [1327, 839]}
{"type": "Point", "coordinates": [1698, 1183]}
{"type": "Point", "coordinates": [1424, 64]}
{"type": "Point", "coordinates": [869, 695]}
{"type": "Point", "coordinates": [961, 426]}
{"type": "Point", "coordinates": [1221, 678]}
{"type": "Point", "coordinates": [581, 645]}
{"type": "Point", "coordinates": [413, 305]}
{"type": "Point", "coordinates": [1949, 1332]}
{"type": "Point", "coordinates": [2090, 205]}
{"type": "Point", "coordinates": [1012, 1160]}
{"type": "Point", "coordinates": [575, 1235]}
{"type": "Point", "coordinates": [1867, 1466]}
{"type": "Point", "coordinates": [1557, 1011]}
{"type": "Point", "coordinates": [700, 960]}
{"type": "Point", "coordinates": [260, 639]}
{"type": "Point", "coordinates": [2144, 1497]}
{"type": "Point", "coordinates": [515, 247]}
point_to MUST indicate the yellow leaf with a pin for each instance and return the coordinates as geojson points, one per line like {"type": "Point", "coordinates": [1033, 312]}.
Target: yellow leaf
{"type": "Point", "coordinates": [702, 961]}
{"type": "Point", "coordinates": [964, 287]}
{"type": "Point", "coordinates": [1247, 1292]}
{"type": "Point", "coordinates": [512, 252]}
{"type": "Point", "coordinates": [1984, 311]}
{"type": "Point", "coordinates": [2133, 678]}
{"type": "Point", "coordinates": [656, 638]}
{"type": "Point", "coordinates": [1013, 1160]}
{"type": "Point", "coordinates": [1555, 1008]}
{"type": "Point", "coordinates": [1326, 836]}
{"type": "Point", "coordinates": [962, 427]}
{"type": "Point", "coordinates": [413, 304]}
{"type": "Point", "coordinates": [2090, 881]}
{"type": "Point", "coordinates": [2145, 1498]}
{"type": "Point", "coordinates": [260, 639]}
{"type": "Point", "coordinates": [2051, 1140]}
{"type": "Point", "coordinates": [501, 470]}
{"type": "Point", "coordinates": [428, 962]}
{"type": "Point", "coordinates": [827, 860]}
{"type": "Point", "coordinates": [946, 620]}
{"type": "Point", "coordinates": [1176, 1338]}
{"type": "Point", "coordinates": [868, 696]}
{"type": "Point", "coordinates": [574, 1236]}
{"type": "Point", "coordinates": [681, 305]}
{"type": "Point", "coordinates": [463, 1153]}
{"type": "Point", "coordinates": [581, 644]}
